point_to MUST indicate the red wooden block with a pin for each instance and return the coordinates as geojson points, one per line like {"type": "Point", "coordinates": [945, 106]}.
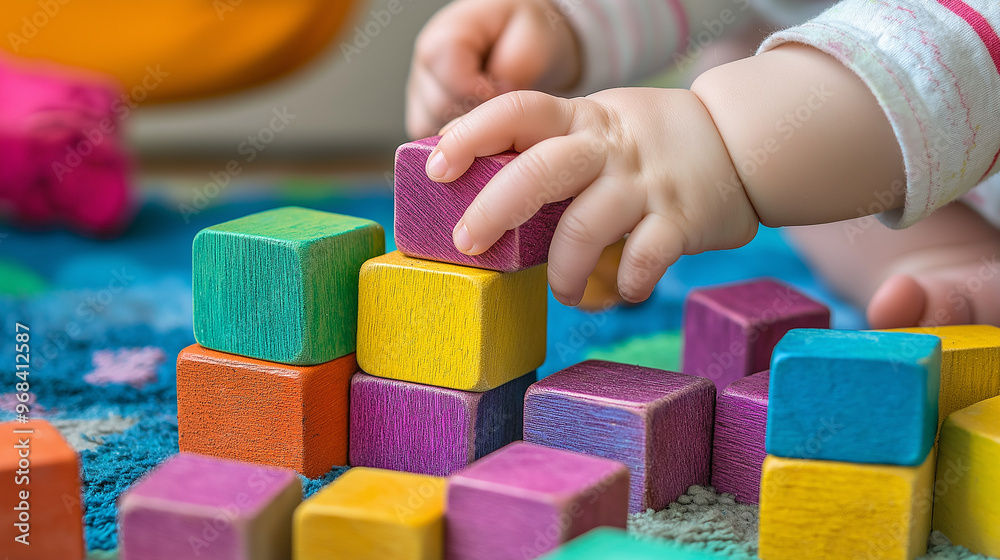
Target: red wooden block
{"type": "Point", "coordinates": [40, 516]}
{"type": "Point", "coordinates": [264, 412]}
{"type": "Point", "coordinates": [523, 500]}
{"type": "Point", "coordinates": [738, 448]}
{"type": "Point", "coordinates": [426, 213]}
{"type": "Point", "coordinates": [657, 422]}
{"type": "Point", "coordinates": [730, 331]}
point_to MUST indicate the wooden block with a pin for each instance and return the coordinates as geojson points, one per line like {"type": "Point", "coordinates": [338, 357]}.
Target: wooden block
{"type": "Point", "coordinates": [192, 506]}
{"type": "Point", "coordinates": [40, 516]}
{"type": "Point", "coordinates": [730, 330]}
{"type": "Point", "coordinates": [657, 422]}
{"type": "Point", "coordinates": [970, 365]}
{"type": "Point", "coordinates": [604, 543]}
{"type": "Point", "coordinates": [424, 429]}
{"type": "Point", "coordinates": [967, 491]}
{"type": "Point", "coordinates": [855, 396]}
{"type": "Point", "coordinates": [282, 285]}
{"type": "Point", "coordinates": [426, 213]}
{"type": "Point", "coordinates": [373, 514]}
{"type": "Point", "coordinates": [448, 325]}
{"type": "Point", "coordinates": [524, 500]}
{"type": "Point", "coordinates": [738, 441]}
{"type": "Point", "coordinates": [825, 509]}
{"type": "Point", "coordinates": [249, 410]}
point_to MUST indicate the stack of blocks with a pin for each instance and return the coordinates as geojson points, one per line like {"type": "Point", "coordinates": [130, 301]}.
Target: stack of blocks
{"type": "Point", "coordinates": [851, 422]}
{"type": "Point", "coordinates": [730, 332]}
{"type": "Point", "coordinates": [275, 315]}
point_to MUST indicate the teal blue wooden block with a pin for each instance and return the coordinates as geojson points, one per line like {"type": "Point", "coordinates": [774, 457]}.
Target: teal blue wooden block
{"type": "Point", "coordinates": [282, 285]}
{"type": "Point", "coordinates": [605, 543]}
{"type": "Point", "coordinates": [854, 396]}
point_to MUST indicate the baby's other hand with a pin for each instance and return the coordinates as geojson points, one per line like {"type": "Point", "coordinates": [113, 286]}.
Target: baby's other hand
{"type": "Point", "coordinates": [648, 162]}
{"type": "Point", "coordinates": [474, 50]}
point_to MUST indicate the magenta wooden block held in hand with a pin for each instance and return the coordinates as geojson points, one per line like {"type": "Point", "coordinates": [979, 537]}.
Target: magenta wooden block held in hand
{"type": "Point", "coordinates": [524, 500]}
{"type": "Point", "coordinates": [426, 213]}
{"type": "Point", "coordinates": [424, 429]}
{"type": "Point", "coordinates": [194, 506]}
{"type": "Point", "coordinates": [738, 444]}
{"type": "Point", "coordinates": [730, 331]}
{"type": "Point", "coordinates": [658, 423]}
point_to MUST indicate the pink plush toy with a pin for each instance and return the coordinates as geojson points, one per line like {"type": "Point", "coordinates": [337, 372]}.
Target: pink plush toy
{"type": "Point", "coordinates": [61, 155]}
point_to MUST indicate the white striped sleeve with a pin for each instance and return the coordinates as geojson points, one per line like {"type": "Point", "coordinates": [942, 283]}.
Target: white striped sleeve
{"type": "Point", "coordinates": [934, 66]}
{"type": "Point", "coordinates": [624, 41]}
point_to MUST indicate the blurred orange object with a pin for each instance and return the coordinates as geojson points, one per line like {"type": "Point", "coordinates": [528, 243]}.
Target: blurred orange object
{"type": "Point", "coordinates": [165, 50]}
{"type": "Point", "coordinates": [39, 493]}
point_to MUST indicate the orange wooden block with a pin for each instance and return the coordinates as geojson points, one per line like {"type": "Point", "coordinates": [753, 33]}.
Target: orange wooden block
{"type": "Point", "coordinates": [262, 412]}
{"type": "Point", "coordinates": [39, 494]}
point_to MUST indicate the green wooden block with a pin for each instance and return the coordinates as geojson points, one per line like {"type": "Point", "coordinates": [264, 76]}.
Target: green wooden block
{"type": "Point", "coordinates": [282, 285]}
{"type": "Point", "coordinates": [607, 542]}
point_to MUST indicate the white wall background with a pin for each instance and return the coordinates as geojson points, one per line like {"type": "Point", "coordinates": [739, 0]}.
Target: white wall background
{"type": "Point", "coordinates": [342, 108]}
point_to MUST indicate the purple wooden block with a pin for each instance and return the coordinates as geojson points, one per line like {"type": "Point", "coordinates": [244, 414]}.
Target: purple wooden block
{"type": "Point", "coordinates": [193, 506]}
{"type": "Point", "coordinates": [738, 445]}
{"type": "Point", "coordinates": [730, 331]}
{"type": "Point", "coordinates": [426, 213]}
{"type": "Point", "coordinates": [657, 422]}
{"type": "Point", "coordinates": [423, 429]}
{"type": "Point", "coordinates": [524, 500]}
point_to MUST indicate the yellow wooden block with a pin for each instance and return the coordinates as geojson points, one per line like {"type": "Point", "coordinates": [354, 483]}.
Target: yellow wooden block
{"type": "Point", "coordinates": [826, 509]}
{"type": "Point", "coordinates": [373, 514]}
{"type": "Point", "coordinates": [967, 490]}
{"type": "Point", "coordinates": [448, 325]}
{"type": "Point", "coordinates": [970, 365]}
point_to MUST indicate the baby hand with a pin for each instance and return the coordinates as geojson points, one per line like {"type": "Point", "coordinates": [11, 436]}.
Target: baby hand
{"type": "Point", "coordinates": [648, 162]}
{"type": "Point", "coordinates": [473, 50]}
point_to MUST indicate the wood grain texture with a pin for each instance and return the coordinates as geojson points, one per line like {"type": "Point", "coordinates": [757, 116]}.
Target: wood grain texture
{"type": "Point", "coordinates": [263, 412]}
{"type": "Point", "coordinates": [658, 423]}
{"type": "Point", "coordinates": [373, 514]}
{"type": "Point", "coordinates": [424, 429]}
{"type": "Point", "coordinates": [55, 522]}
{"type": "Point", "coordinates": [426, 213]}
{"type": "Point", "coordinates": [450, 326]}
{"type": "Point", "coordinates": [730, 330]}
{"type": "Point", "coordinates": [192, 506]}
{"type": "Point", "coordinates": [605, 543]}
{"type": "Point", "coordinates": [524, 500]}
{"type": "Point", "coordinates": [856, 396]}
{"type": "Point", "coordinates": [967, 490]}
{"type": "Point", "coordinates": [970, 365]}
{"type": "Point", "coordinates": [282, 285]}
{"type": "Point", "coordinates": [738, 441]}
{"type": "Point", "coordinates": [825, 509]}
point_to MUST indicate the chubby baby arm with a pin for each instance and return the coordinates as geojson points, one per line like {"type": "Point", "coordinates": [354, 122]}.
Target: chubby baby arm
{"type": "Point", "coordinates": [681, 171]}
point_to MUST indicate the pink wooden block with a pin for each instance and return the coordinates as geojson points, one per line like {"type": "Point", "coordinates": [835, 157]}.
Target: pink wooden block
{"type": "Point", "coordinates": [738, 450]}
{"type": "Point", "coordinates": [426, 213]}
{"type": "Point", "coordinates": [424, 429]}
{"type": "Point", "coordinates": [194, 506]}
{"type": "Point", "coordinates": [657, 422]}
{"type": "Point", "coordinates": [730, 331]}
{"type": "Point", "coordinates": [524, 500]}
